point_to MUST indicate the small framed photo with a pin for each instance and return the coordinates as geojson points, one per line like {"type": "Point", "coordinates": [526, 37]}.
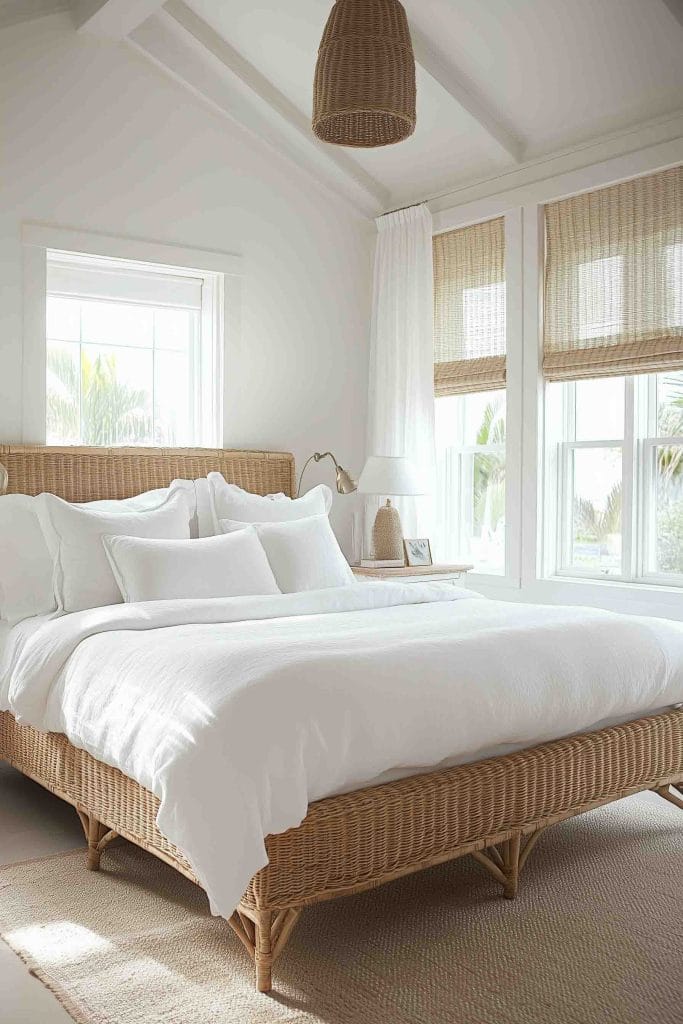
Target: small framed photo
{"type": "Point", "coordinates": [418, 551]}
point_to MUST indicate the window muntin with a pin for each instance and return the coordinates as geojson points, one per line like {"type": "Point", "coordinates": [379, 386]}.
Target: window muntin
{"type": "Point", "coordinates": [615, 478]}
{"type": "Point", "coordinates": [124, 354]}
{"type": "Point", "coordinates": [470, 445]}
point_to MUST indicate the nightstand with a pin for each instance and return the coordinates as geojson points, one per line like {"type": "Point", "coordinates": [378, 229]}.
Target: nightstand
{"type": "Point", "coordinates": [413, 573]}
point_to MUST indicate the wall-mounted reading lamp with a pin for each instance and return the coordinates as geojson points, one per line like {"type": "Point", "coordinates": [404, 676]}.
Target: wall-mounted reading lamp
{"type": "Point", "coordinates": [345, 482]}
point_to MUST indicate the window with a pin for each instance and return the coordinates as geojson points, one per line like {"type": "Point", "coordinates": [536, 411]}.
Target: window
{"type": "Point", "coordinates": [470, 405]}
{"type": "Point", "coordinates": [470, 445]}
{"type": "Point", "coordinates": [613, 360]}
{"type": "Point", "coordinates": [615, 459]}
{"type": "Point", "coordinates": [132, 356]}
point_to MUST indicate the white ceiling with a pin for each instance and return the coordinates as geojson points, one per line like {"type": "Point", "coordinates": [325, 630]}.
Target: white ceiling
{"type": "Point", "coordinates": [14, 11]}
{"type": "Point", "coordinates": [502, 84]}
{"type": "Point", "coordinates": [552, 74]}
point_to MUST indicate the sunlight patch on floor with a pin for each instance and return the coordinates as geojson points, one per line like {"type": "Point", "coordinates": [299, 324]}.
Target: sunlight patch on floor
{"type": "Point", "coordinates": [59, 941]}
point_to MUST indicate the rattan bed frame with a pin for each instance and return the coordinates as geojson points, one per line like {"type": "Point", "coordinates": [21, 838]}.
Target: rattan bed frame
{"type": "Point", "coordinates": [494, 810]}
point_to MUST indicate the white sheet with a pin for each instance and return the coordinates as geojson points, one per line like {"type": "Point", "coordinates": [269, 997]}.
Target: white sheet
{"type": "Point", "coordinates": [238, 713]}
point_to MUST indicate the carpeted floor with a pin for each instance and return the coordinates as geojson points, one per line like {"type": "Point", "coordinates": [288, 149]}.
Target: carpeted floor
{"type": "Point", "coordinates": [595, 937]}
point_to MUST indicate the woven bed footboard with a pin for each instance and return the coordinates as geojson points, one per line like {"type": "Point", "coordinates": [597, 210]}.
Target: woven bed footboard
{"type": "Point", "coordinates": [352, 842]}
{"type": "Point", "coordinates": [362, 839]}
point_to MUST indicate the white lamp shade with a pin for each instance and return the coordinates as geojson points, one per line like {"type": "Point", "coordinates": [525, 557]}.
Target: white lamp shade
{"type": "Point", "coordinates": [386, 474]}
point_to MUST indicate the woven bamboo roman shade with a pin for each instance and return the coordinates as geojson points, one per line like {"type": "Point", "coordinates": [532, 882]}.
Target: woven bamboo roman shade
{"type": "Point", "coordinates": [614, 280]}
{"type": "Point", "coordinates": [469, 309]}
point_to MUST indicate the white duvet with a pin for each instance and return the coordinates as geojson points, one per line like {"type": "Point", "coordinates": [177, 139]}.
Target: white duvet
{"type": "Point", "coordinates": [237, 713]}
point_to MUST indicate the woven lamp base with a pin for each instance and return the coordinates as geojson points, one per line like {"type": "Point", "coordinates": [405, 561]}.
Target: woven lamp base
{"type": "Point", "coordinates": [387, 533]}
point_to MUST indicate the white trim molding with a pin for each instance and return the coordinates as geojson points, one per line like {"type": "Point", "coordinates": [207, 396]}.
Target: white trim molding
{"type": "Point", "coordinates": [89, 243]}
{"type": "Point", "coordinates": [600, 162]}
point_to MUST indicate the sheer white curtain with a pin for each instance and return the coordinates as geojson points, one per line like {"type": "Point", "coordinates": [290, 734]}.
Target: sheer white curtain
{"type": "Point", "coordinates": [401, 381]}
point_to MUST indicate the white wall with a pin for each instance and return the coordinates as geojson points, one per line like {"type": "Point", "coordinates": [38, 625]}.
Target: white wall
{"type": "Point", "coordinates": [94, 137]}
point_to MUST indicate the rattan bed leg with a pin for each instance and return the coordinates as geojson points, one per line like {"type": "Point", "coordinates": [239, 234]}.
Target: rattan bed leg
{"type": "Point", "coordinates": [511, 861]}
{"type": "Point", "coordinates": [263, 951]}
{"type": "Point", "coordinates": [98, 836]}
{"type": "Point", "coordinates": [672, 793]}
{"type": "Point", "coordinates": [264, 934]}
{"type": "Point", "coordinates": [505, 864]}
{"type": "Point", "coordinates": [95, 832]}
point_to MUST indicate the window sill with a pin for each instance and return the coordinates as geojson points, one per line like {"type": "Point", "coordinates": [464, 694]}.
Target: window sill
{"type": "Point", "coordinates": [616, 596]}
{"type": "Point", "coordinates": [629, 586]}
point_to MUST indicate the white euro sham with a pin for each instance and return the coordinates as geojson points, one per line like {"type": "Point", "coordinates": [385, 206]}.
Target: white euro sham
{"type": "Point", "coordinates": [26, 562]}
{"type": "Point", "coordinates": [304, 554]}
{"type": "Point", "coordinates": [230, 502]}
{"type": "Point", "coordinates": [82, 574]}
{"type": "Point", "coordinates": [233, 565]}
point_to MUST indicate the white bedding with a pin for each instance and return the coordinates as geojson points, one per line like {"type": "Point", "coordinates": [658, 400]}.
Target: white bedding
{"type": "Point", "coordinates": [237, 713]}
{"type": "Point", "coordinates": [12, 642]}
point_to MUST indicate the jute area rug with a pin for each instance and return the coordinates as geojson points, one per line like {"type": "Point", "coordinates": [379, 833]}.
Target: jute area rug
{"type": "Point", "coordinates": [595, 937]}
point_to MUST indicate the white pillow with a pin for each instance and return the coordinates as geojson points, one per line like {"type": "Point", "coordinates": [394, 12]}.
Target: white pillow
{"type": "Point", "coordinates": [234, 565]}
{"type": "Point", "coordinates": [205, 523]}
{"type": "Point", "coordinates": [149, 500]}
{"type": "Point", "coordinates": [304, 554]}
{"type": "Point", "coordinates": [82, 574]}
{"type": "Point", "coordinates": [230, 502]}
{"type": "Point", "coordinates": [26, 564]}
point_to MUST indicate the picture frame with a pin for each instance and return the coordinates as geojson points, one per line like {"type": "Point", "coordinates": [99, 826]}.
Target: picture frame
{"type": "Point", "coordinates": [417, 551]}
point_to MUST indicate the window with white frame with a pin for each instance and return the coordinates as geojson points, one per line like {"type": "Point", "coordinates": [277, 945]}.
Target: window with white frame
{"type": "Point", "coordinates": [615, 467]}
{"type": "Point", "coordinates": [470, 402]}
{"type": "Point", "coordinates": [132, 353]}
{"type": "Point", "coordinates": [613, 362]}
{"type": "Point", "coordinates": [470, 446]}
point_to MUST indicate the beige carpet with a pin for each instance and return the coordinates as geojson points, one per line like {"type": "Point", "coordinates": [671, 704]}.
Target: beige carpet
{"type": "Point", "coordinates": [595, 937]}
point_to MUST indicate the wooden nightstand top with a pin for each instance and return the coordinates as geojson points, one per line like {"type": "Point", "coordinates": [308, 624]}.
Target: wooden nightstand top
{"type": "Point", "coordinates": [410, 571]}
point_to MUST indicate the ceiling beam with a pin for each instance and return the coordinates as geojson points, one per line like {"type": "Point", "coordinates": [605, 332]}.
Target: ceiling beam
{"type": "Point", "coordinates": [113, 19]}
{"type": "Point", "coordinates": [188, 50]}
{"type": "Point", "coordinates": [266, 94]}
{"type": "Point", "coordinates": [262, 88]}
{"type": "Point", "coordinates": [450, 79]}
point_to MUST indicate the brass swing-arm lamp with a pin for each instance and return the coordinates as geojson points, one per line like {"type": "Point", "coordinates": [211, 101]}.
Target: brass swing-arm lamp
{"type": "Point", "coordinates": [345, 482]}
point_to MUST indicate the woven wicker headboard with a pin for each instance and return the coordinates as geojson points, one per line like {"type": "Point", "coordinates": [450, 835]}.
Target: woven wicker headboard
{"type": "Point", "coordinates": [88, 474]}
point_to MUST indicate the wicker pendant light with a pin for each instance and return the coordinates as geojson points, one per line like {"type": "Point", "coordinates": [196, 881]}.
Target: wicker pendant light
{"type": "Point", "coordinates": [364, 88]}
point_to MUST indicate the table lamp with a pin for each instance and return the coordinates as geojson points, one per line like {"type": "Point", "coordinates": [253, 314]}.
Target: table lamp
{"type": "Point", "coordinates": [382, 475]}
